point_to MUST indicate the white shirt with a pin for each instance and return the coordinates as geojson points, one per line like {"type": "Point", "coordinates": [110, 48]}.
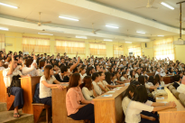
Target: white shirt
{"type": "Point", "coordinates": [181, 88]}
{"type": "Point", "coordinates": [103, 83]}
{"type": "Point", "coordinates": [27, 70]}
{"type": "Point", "coordinates": [82, 76]}
{"type": "Point", "coordinates": [145, 75]}
{"type": "Point", "coordinates": [34, 72]}
{"type": "Point", "coordinates": [88, 94]}
{"type": "Point", "coordinates": [45, 91]}
{"type": "Point", "coordinates": [123, 78]}
{"type": "Point", "coordinates": [8, 79]}
{"type": "Point", "coordinates": [97, 88]}
{"type": "Point", "coordinates": [132, 109]}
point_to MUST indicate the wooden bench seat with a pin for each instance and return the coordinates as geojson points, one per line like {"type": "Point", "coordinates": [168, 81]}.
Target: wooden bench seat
{"type": "Point", "coordinates": [28, 84]}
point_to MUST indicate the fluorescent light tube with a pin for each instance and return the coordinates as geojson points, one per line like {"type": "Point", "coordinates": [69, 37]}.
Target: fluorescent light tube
{"type": "Point", "coordinates": [84, 37]}
{"type": "Point", "coordinates": [107, 40]}
{"type": "Point", "coordinates": [67, 18]}
{"type": "Point", "coordinates": [2, 28]}
{"type": "Point", "coordinates": [3, 4]}
{"type": "Point", "coordinates": [168, 6]}
{"type": "Point", "coordinates": [115, 27]}
{"type": "Point", "coordinates": [128, 42]}
{"type": "Point", "coordinates": [140, 32]}
{"type": "Point", "coordinates": [160, 35]}
{"type": "Point", "coordinates": [40, 33]}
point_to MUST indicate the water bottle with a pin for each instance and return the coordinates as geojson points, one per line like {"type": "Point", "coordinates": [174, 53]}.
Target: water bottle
{"type": "Point", "coordinates": [160, 87]}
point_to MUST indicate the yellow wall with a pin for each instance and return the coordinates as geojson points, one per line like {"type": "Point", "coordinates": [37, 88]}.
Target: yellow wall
{"type": "Point", "coordinates": [15, 39]}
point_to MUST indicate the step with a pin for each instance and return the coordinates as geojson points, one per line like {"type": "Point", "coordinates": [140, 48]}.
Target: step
{"type": "Point", "coordinates": [4, 115]}
{"type": "Point", "coordinates": [3, 107]}
{"type": "Point", "coordinates": [25, 118]}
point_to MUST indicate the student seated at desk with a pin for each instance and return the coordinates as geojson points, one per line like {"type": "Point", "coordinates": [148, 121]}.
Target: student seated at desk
{"type": "Point", "coordinates": [46, 82]}
{"type": "Point", "coordinates": [82, 72]}
{"type": "Point", "coordinates": [63, 76]}
{"type": "Point", "coordinates": [96, 79]}
{"type": "Point", "coordinates": [77, 107]}
{"type": "Point", "coordinates": [88, 88]}
{"type": "Point", "coordinates": [102, 83]}
{"type": "Point", "coordinates": [11, 76]}
{"type": "Point", "coordinates": [159, 80]}
{"type": "Point", "coordinates": [135, 101]}
{"type": "Point", "coordinates": [124, 78]}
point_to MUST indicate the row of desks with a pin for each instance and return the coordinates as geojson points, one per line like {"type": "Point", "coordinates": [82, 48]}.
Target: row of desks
{"type": "Point", "coordinates": [109, 109]}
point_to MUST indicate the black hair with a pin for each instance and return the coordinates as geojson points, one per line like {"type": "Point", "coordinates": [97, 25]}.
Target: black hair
{"type": "Point", "coordinates": [151, 79]}
{"type": "Point", "coordinates": [140, 94]}
{"type": "Point", "coordinates": [88, 71]}
{"type": "Point", "coordinates": [63, 68]}
{"type": "Point", "coordinates": [131, 88]}
{"type": "Point", "coordinates": [157, 79]}
{"type": "Point", "coordinates": [141, 80]}
{"type": "Point", "coordinates": [108, 77]}
{"type": "Point", "coordinates": [94, 76]}
{"type": "Point", "coordinates": [177, 77]}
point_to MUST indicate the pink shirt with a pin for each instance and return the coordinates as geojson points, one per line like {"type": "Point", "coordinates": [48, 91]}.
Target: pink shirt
{"type": "Point", "coordinates": [73, 98]}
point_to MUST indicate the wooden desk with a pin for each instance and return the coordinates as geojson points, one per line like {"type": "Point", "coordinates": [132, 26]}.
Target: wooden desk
{"type": "Point", "coordinates": [150, 74]}
{"type": "Point", "coordinates": [109, 109]}
{"type": "Point", "coordinates": [175, 115]}
{"type": "Point", "coordinates": [168, 79]}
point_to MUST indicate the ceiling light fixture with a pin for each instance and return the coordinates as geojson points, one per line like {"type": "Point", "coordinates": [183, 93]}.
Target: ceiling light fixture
{"type": "Point", "coordinates": [128, 42]}
{"type": "Point", "coordinates": [160, 35]}
{"type": "Point", "coordinates": [140, 32]}
{"type": "Point", "coordinates": [3, 4]}
{"type": "Point", "coordinates": [107, 40]}
{"type": "Point", "coordinates": [67, 18]}
{"type": "Point", "coordinates": [168, 6]}
{"type": "Point", "coordinates": [115, 27]}
{"type": "Point", "coordinates": [2, 28]}
{"type": "Point", "coordinates": [40, 33]}
{"type": "Point", "coordinates": [84, 37]}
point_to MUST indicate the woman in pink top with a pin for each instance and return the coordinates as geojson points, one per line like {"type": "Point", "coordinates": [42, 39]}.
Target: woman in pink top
{"type": "Point", "coordinates": [77, 107]}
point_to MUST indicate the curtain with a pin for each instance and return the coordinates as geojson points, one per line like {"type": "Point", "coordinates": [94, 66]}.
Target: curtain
{"type": "Point", "coordinates": [39, 45]}
{"type": "Point", "coordinates": [118, 51]}
{"type": "Point", "coordinates": [70, 47]}
{"type": "Point", "coordinates": [2, 41]}
{"type": "Point", "coordinates": [97, 49]}
{"type": "Point", "coordinates": [136, 49]}
{"type": "Point", "coordinates": [164, 48]}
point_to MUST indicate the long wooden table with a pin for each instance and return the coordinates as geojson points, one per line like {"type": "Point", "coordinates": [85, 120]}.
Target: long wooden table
{"type": "Point", "coordinates": [109, 109]}
{"type": "Point", "coordinates": [175, 115]}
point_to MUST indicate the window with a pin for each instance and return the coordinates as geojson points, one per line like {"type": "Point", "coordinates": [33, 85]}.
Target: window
{"type": "Point", "coordinates": [70, 47]}
{"type": "Point", "coordinates": [2, 41]}
{"type": "Point", "coordinates": [136, 50]}
{"type": "Point", "coordinates": [118, 50]}
{"type": "Point", "coordinates": [164, 48]}
{"type": "Point", "coordinates": [97, 49]}
{"type": "Point", "coordinates": [40, 45]}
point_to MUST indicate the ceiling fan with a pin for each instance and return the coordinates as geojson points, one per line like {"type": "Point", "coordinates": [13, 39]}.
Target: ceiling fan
{"type": "Point", "coordinates": [149, 5]}
{"type": "Point", "coordinates": [93, 30]}
{"type": "Point", "coordinates": [39, 23]}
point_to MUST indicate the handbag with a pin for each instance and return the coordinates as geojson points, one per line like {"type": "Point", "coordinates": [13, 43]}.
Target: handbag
{"type": "Point", "coordinates": [16, 82]}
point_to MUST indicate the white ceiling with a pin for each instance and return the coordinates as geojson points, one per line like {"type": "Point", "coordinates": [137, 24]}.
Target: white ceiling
{"type": "Point", "coordinates": [51, 9]}
{"type": "Point", "coordinates": [162, 14]}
